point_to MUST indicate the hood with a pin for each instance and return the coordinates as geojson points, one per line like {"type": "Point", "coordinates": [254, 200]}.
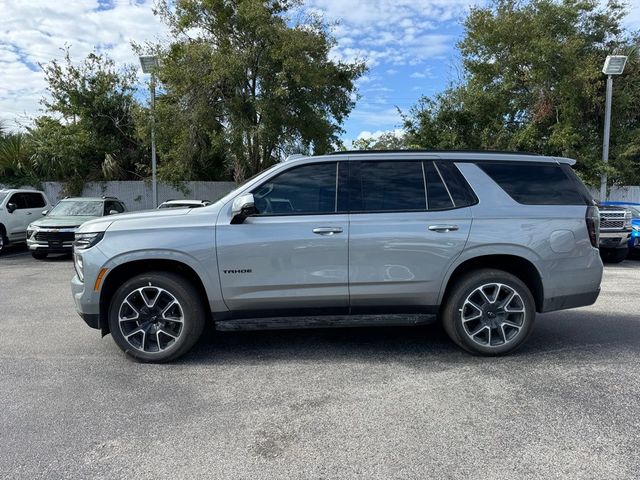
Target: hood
{"type": "Point", "coordinates": [58, 221]}
{"type": "Point", "coordinates": [103, 223]}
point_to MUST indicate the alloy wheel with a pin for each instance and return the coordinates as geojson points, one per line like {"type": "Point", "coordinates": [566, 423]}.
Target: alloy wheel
{"type": "Point", "coordinates": [151, 319]}
{"type": "Point", "coordinates": [493, 315]}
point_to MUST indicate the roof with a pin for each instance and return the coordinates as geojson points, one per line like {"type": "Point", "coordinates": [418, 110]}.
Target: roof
{"type": "Point", "coordinates": [451, 155]}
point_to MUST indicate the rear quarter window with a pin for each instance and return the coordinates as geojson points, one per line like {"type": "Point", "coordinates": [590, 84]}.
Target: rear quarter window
{"type": "Point", "coordinates": [536, 183]}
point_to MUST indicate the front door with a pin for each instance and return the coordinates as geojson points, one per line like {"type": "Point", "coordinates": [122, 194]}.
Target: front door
{"type": "Point", "coordinates": [290, 258]}
{"type": "Point", "coordinates": [19, 220]}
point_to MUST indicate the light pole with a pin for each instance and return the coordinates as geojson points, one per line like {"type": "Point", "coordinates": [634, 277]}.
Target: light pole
{"type": "Point", "coordinates": [149, 64]}
{"type": "Point", "coordinates": [613, 65]}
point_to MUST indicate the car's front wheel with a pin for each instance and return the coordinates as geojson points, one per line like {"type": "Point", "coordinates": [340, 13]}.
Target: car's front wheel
{"type": "Point", "coordinates": [489, 312]}
{"type": "Point", "coordinates": [156, 317]}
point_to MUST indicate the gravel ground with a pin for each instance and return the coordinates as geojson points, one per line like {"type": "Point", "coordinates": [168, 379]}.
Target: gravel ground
{"type": "Point", "coordinates": [340, 403]}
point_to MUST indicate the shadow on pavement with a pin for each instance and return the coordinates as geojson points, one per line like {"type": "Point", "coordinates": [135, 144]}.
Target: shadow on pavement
{"type": "Point", "coordinates": [581, 331]}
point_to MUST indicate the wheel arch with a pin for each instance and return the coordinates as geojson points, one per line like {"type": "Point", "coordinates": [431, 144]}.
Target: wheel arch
{"type": "Point", "coordinates": [517, 265]}
{"type": "Point", "coordinates": [124, 271]}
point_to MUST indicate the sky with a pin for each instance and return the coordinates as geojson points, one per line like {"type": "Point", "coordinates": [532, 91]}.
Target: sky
{"type": "Point", "coordinates": [408, 45]}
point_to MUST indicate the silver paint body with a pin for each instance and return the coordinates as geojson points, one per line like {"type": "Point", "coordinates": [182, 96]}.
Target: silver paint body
{"type": "Point", "coordinates": [278, 263]}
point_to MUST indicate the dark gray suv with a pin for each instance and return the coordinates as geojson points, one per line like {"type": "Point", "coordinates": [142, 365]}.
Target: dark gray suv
{"type": "Point", "coordinates": [481, 241]}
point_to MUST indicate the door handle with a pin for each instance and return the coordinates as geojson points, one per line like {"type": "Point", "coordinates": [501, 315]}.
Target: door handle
{"type": "Point", "coordinates": [443, 228]}
{"type": "Point", "coordinates": [327, 230]}
{"type": "Point", "coordinates": [28, 213]}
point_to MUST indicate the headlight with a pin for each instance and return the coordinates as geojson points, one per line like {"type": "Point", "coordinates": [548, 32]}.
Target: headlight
{"type": "Point", "coordinates": [31, 230]}
{"type": "Point", "coordinates": [78, 265]}
{"type": "Point", "coordinates": [86, 240]}
{"type": "Point", "coordinates": [636, 228]}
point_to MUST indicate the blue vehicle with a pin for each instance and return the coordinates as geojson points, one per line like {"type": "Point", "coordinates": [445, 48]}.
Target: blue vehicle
{"type": "Point", "coordinates": [634, 240]}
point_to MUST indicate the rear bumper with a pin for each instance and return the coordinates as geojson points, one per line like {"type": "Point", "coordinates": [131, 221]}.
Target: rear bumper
{"type": "Point", "coordinates": [570, 301]}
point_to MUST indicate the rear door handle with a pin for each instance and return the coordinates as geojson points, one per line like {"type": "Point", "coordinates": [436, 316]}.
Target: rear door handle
{"type": "Point", "coordinates": [443, 228]}
{"type": "Point", "coordinates": [327, 230]}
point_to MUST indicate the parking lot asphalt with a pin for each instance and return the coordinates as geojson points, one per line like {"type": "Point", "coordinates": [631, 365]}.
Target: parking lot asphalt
{"type": "Point", "coordinates": [340, 403]}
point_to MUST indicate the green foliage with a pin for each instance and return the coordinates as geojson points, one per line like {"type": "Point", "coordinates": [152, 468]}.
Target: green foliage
{"type": "Point", "coordinates": [386, 141]}
{"type": "Point", "coordinates": [242, 83]}
{"type": "Point", "coordinates": [90, 133]}
{"type": "Point", "coordinates": [532, 81]}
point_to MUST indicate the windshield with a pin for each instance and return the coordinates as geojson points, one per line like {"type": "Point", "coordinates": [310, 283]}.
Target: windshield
{"type": "Point", "coordinates": [77, 208]}
{"type": "Point", "coordinates": [3, 195]}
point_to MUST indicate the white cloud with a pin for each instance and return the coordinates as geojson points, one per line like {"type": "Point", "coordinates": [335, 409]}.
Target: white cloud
{"type": "Point", "coordinates": [365, 134]}
{"type": "Point", "coordinates": [40, 29]}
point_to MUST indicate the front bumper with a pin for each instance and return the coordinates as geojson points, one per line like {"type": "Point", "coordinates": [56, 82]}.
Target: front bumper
{"type": "Point", "coordinates": [618, 239]}
{"type": "Point", "coordinates": [52, 240]}
{"type": "Point", "coordinates": [85, 297]}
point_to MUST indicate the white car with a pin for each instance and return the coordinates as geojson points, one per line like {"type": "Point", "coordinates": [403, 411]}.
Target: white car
{"type": "Point", "coordinates": [18, 208]}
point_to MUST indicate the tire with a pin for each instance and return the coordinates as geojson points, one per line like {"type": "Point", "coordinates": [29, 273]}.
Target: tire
{"type": "Point", "coordinates": [495, 331]}
{"type": "Point", "coordinates": [3, 240]}
{"type": "Point", "coordinates": [172, 311]}
{"type": "Point", "coordinates": [38, 255]}
{"type": "Point", "coordinates": [614, 255]}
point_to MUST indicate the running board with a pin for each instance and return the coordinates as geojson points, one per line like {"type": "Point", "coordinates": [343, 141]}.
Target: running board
{"type": "Point", "coordinates": [287, 323]}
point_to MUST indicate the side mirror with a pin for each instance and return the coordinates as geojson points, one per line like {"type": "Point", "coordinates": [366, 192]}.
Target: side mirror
{"type": "Point", "coordinates": [113, 212]}
{"type": "Point", "coordinates": [11, 207]}
{"type": "Point", "coordinates": [44, 212]}
{"type": "Point", "coordinates": [243, 207]}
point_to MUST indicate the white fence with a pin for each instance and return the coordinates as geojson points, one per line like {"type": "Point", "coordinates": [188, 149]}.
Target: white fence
{"type": "Point", "coordinates": [137, 195]}
{"type": "Point", "coordinates": [622, 194]}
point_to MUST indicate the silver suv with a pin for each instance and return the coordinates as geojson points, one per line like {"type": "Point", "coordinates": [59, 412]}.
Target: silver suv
{"type": "Point", "coordinates": [481, 241]}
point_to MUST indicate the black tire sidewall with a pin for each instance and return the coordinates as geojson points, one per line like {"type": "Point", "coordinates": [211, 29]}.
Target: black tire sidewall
{"type": "Point", "coordinates": [452, 321]}
{"type": "Point", "coordinates": [192, 307]}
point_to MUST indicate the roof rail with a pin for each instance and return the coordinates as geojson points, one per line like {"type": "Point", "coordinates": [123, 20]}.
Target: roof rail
{"type": "Point", "coordinates": [419, 150]}
{"type": "Point", "coordinates": [109, 197]}
{"type": "Point", "coordinates": [294, 156]}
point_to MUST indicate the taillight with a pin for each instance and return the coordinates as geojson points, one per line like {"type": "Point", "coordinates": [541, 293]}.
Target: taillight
{"type": "Point", "coordinates": [593, 224]}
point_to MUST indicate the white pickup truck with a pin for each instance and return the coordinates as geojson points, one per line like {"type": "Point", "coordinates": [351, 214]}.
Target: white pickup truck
{"type": "Point", "coordinates": [18, 208]}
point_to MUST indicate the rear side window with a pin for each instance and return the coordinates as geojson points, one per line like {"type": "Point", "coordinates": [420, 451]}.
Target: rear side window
{"type": "Point", "coordinates": [34, 200]}
{"type": "Point", "coordinates": [534, 183]}
{"type": "Point", "coordinates": [386, 186]}
{"type": "Point", "coordinates": [437, 192]}
{"type": "Point", "coordinates": [461, 193]}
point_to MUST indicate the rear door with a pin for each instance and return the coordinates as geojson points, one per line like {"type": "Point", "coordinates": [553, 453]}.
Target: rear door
{"type": "Point", "coordinates": [405, 230]}
{"type": "Point", "coordinates": [291, 258]}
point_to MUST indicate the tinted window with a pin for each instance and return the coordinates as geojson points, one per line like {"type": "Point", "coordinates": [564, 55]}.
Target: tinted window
{"type": "Point", "coordinates": [34, 200]}
{"type": "Point", "coordinates": [460, 190]}
{"type": "Point", "coordinates": [386, 186]}
{"type": "Point", "coordinates": [309, 189]}
{"type": "Point", "coordinates": [534, 184]}
{"type": "Point", "coordinates": [19, 200]}
{"type": "Point", "coordinates": [436, 191]}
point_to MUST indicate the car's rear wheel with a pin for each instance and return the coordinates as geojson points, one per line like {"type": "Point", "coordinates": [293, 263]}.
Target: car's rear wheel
{"type": "Point", "coordinates": [489, 312]}
{"type": "Point", "coordinates": [39, 255]}
{"type": "Point", "coordinates": [156, 317]}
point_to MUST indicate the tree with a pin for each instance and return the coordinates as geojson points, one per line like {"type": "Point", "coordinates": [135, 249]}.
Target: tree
{"type": "Point", "coordinates": [89, 132]}
{"type": "Point", "coordinates": [243, 82]}
{"type": "Point", "coordinates": [532, 81]}
{"type": "Point", "coordinates": [386, 141]}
